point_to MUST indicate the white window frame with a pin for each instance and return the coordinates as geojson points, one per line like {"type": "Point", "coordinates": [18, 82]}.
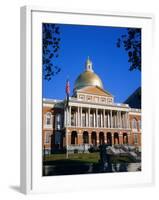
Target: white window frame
{"type": "Point", "coordinates": [136, 138]}
{"type": "Point", "coordinates": [134, 124]}
{"type": "Point", "coordinates": [47, 133]}
{"type": "Point", "coordinates": [45, 120]}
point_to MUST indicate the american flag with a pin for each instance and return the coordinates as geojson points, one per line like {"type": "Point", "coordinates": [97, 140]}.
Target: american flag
{"type": "Point", "coordinates": [67, 87]}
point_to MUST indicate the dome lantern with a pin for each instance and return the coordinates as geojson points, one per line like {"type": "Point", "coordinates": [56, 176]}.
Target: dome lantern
{"type": "Point", "coordinates": [89, 65]}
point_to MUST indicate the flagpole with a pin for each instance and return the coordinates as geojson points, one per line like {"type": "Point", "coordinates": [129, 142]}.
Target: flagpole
{"type": "Point", "coordinates": [67, 117]}
{"type": "Point", "coordinates": [66, 132]}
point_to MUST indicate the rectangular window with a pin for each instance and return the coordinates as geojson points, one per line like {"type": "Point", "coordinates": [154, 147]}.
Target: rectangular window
{"type": "Point", "coordinates": [48, 121]}
{"type": "Point", "coordinates": [103, 100]}
{"type": "Point", "coordinates": [47, 137]}
{"type": "Point", "coordinates": [134, 125]}
{"type": "Point", "coordinates": [135, 138]}
{"type": "Point", "coordinates": [109, 100]}
{"type": "Point", "coordinates": [89, 98]}
{"type": "Point", "coordinates": [81, 97]}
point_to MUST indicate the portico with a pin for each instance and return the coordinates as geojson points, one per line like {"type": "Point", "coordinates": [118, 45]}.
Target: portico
{"type": "Point", "coordinates": [96, 117]}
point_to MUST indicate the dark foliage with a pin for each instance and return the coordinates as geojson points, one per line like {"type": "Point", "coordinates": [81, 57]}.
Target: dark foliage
{"type": "Point", "coordinates": [93, 149]}
{"type": "Point", "coordinates": [51, 45]}
{"type": "Point", "coordinates": [132, 44]}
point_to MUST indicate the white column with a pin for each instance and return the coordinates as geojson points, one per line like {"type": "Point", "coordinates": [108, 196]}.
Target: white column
{"type": "Point", "coordinates": [88, 117]}
{"type": "Point", "coordinates": [111, 124]}
{"type": "Point", "coordinates": [70, 115]}
{"type": "Point", "coordinates": [115, 120]}
{"type": "Point", "coordinates": [121, 126]}
{"type": "Point", "coordinates": [103, 118]}
{"type": "Point", "coordinates": [81, 117]}
{"type": "Point", "coordinates": [108, 120]}
{"type": "Point", "coordinates": [119, 119]}
{"type": "Point", "coordinates": [78, 116]}
{"type": "Point", "coordinates": [64, 117]}
{"type": "Point", "coordinates": [67, 118]}
{"type": "Point", "coordinates": [127, 120]}
{"type": "Point", "coordinates": [74, 119]}
{"type": "Point", "coordinates": [96, 117]}
{"type": "Point", "coordinates": [117, 115]}
{"type": "Point", "coordinates": [124, 120]}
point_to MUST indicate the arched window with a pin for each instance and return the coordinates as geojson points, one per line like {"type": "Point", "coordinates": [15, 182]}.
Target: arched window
{"type": "Point", "coordinates": [139, 124]}
{"type": "Point", "coordinates": [116, 138]}
{"type": "Point", "coordinates": [48, 119]}
{"type": "Point", "coordinates": [85, 137]}
{"type": "Point", "coordinates": [134, 124]}
{"type": "Point", "coordinates": [101, 138]}
{"type": "Point", "coordinates": [74, 137]}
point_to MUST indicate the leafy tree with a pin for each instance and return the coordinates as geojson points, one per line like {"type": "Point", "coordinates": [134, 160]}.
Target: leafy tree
{"type": "Point", "coordinates": [51, 45]}
{"type": "Point", "coordinates": [132, 44]}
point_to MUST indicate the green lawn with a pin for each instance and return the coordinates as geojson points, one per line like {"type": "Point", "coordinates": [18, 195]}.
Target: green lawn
{"type": "Point", "coordinates": [82, 157]}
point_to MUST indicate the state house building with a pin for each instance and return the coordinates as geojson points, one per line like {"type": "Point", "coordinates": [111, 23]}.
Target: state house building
{"type": "Point", "coordinates": [90, 117]}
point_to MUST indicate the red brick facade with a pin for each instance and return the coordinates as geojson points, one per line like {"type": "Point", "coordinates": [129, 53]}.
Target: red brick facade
{"type": "Point", "coordinates": [90, 135]}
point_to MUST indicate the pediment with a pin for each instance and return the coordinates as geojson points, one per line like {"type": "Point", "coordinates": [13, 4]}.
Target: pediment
{"type": "Point", "coordinates": [94, 90]}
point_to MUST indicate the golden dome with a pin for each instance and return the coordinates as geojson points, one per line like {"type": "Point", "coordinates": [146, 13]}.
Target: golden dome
{"type": "Point", "coordinates": [88, 78]}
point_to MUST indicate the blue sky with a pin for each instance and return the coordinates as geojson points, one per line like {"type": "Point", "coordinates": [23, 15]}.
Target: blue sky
{"type": "Point", "coordinates": [109, 62]}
